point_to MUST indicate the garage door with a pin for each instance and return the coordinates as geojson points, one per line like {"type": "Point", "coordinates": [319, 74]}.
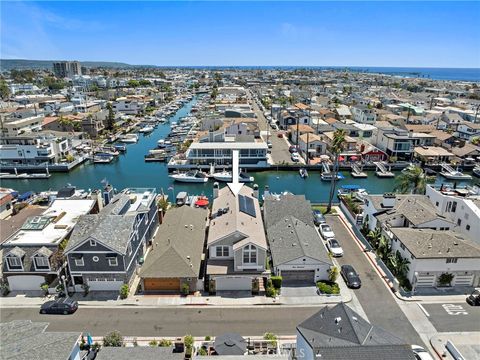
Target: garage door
{"type": "Point", "coordinates": [425, 280]}
{"type": "Point", "coordinates": [463, 280]}
{"type": "Point", "coordinates": [229, 283]}
{"type": "Point", "coordinates": [105, 285]}
{"type": "Point", "coordinates": [298, 276]}
{"type": "Point", "coordinates": [25, 282]}
{"type": "Point", "coordinates": [155, 284]}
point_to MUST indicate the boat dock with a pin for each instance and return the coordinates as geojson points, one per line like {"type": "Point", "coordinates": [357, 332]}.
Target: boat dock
{"type": "Point", "coordinates": [382, 172]}
{"type": "Point", "coordinates": [357, 172]}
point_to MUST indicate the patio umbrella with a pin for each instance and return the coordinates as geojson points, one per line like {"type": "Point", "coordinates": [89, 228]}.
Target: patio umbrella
{"type": "Point", "coordinates": [341, 158]}
{"type": "Point", "coordinates": [201, 202]}
{"type": "Point", "coordinates": [324, 157]}
{"type": "Point", "coordinates": [353, 158]}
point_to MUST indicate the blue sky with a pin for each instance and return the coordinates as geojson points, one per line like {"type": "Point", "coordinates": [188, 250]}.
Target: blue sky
{"type": "Point", "coordinates": [426, 34]}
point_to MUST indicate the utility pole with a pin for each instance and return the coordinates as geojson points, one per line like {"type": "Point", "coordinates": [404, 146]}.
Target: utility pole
{"type": "Point", "coordinates": [298, 124]}
{"type": "Point", "coordinates": [308, 148]}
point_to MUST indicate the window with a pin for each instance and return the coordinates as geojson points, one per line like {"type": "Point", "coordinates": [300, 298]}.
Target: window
{"type": "Point", "coordinates": [93, 242]}
{"type": "Point", "coordinates": [459, 222]}
{"type": "Point", "coordinates": [222, 251]}
{"type": "Point", "coordinates": [249, 254]}
{"type": "Point", "coordinates": [452, 260]}
{"type": "Point", "coordinates": [466, 216]}
{"type": "Point", "coordinates": [454, 206]}
{"type": "Point", "coordinates": [14, 263]}
{"type": "Point", "coordinates": [112, 261]}
{"type": "Point", "coordinates": [95, 258]}
{"type": "Point", "coordinates": [467, 227]}
{"type": "Point", "coordinates": [41, 262]}
{"type": "Point", "coordinates": [402, 246]}
{"type": "Point", "coordinates": [79, 262]}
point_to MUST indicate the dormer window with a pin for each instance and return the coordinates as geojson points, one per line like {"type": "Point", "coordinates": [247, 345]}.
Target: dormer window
{"type": "Point", "coordinates": [41, 262]}
{"type": "Point", "coordinates": [93, 242]}
{"type": "Point", "coordinates": [14, 263]}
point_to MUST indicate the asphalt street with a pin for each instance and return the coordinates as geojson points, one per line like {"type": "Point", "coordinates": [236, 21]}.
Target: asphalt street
{"type": "Point", "coordinates": [376, 299]}
{"type": "Point", "coordinates": [453, 317]}
{"type": "Point", "coordinates": [199, 321]}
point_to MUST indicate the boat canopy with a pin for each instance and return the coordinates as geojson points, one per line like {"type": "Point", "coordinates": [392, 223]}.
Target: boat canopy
{"type": "Point", "coordinates": [350, 187]}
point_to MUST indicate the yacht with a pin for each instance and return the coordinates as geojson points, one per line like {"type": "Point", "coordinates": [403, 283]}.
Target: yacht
{"type": "Point", "coordinates": [351, 190]}
{"type": "Point", "coordinates": [453, 174]}
{"type": "Point", "coordinates": [129, 138]}
{"type": "Point", "coordinates": [193, 176]}
{"type": "Point", "coordinates": [226, 176]}
{"type": "Point", "coordinates": [476, 171]}
{"type": "Point", "coordinates": [102, 159]}
{"type": "Point", "coordinates": [146, 129]}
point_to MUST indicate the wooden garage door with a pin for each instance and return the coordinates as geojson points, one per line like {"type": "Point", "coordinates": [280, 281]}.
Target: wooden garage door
{"type": "Point", "coordinates": [155, 284]}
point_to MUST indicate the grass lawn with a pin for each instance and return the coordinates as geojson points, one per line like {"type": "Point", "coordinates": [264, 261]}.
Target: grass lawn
{"type": "Point", "coordinates": [323, 209]}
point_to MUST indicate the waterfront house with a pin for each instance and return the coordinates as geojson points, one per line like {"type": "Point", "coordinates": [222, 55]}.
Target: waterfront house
{"type": "Point", "coordinates": [24, 339]}
{"type": "Point", "coordinates": [338, 332]}
{"type": "Point", "coordinates": [314, 143]}
{"type": "Point", "coordinates": [342, 112]}
{"type": "Point", "coordinates": [34, 150]}
{"type": "Point", "coordinates": [297, 252]}
{"type": "Point", "coordinates": [369, 152]}
{"type": "Point", "coordinates": [33, 254]}
{"type": "Point", "coordinates": [131, 106]}
{"type": "Point", "coordinates": [396, 210]}
{"type": "Point", "coordinates": [465, 150]}
{"type": "Point", "coordinates": [401, 143]}
{"type": "Point", "coordinates": [432, 154]}
{"type": "Point", "coordinates": [106, 249]}
{"type": "Point", "coordinates": [432, 253]}
{"type": "Point", "coordinates": [461, 205]}
{"type": "Point", "coordinates": [236, 240]}
{"type": "Point", "coordinates": [173, 262]}
{"type": "Point", "coordinates": [93, 124]}
{"type": "Point", "coordinates": [302, 129]}
{"type": "Point", "coordinates": [242, 126]}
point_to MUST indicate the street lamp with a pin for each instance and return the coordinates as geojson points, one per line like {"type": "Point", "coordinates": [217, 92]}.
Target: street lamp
{"type": "Point", "coordinates": [64, 285]}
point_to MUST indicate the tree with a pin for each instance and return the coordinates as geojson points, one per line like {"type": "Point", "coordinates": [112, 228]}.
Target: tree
{"type": "Point", "coordinates": [110, 117]}
{"type": "Point", "coordinates": [336, 147]}
{"type": "Point", "coordinates": [383, 247]}
{"type": "Point", "coordinates": [333, 274]}
{"type": "Point", "coordinates": [114, 339]}
{"type": "Point", "coordinates": [413, 180]}
{"type": "Point", "coordinates": [398, 264]}
{"type": "Point", "coordinates": [271, 337]}
{"type": "Point", "coordinates": [133, 83]}
{"type": "Point", "coordinates": [374, 236]}
{"type": "Point", "coordinates": [4, 90]}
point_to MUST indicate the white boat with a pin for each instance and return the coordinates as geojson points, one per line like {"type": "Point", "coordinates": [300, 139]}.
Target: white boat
{"type": "Point", "coordinates": [129, 138]}
{"type": "Point", "coordinates": [102, 159]}
{"type": "Point", "coordinates": [193, 176]}
{"type": "Point", "coordinates": [161, 143]}
{"type": "Point", "coordinates": [146, 129]}
{"type": "Point", "coordinates": [303, 173]}
{"type": "Point", "coordinates": [453, 174]}
{"type": "Point", "coordinates": [476, 171]}
{"type": "Point", "coordinates": [226, 176]}
{"type": "Point", "coordinates": [327, 174]}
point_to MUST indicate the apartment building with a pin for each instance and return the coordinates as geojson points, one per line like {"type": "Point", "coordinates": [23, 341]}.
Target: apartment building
{"type": "Point", "coordinates": [63, 69]}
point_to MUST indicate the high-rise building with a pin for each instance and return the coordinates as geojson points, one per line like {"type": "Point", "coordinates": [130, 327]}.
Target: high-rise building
{"type": "Point", "coordinates": [67, 68]}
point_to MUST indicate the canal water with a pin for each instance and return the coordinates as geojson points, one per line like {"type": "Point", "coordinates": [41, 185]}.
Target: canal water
{"type": "Point", "coordinates": [130, 170]}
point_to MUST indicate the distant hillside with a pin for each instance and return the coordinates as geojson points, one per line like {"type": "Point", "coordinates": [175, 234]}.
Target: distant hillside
{"type": "Point", "coordinates": [9, 64]}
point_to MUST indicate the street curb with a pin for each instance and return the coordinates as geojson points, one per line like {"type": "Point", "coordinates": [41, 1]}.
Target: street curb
{"type": "Point", "coordinates": [435, 349]}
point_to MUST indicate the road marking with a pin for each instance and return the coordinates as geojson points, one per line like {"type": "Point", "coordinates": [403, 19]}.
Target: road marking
{"type": "Point", "coordinates": [453, 309]}
{"type": "Point", "coordinates": [423, 309]}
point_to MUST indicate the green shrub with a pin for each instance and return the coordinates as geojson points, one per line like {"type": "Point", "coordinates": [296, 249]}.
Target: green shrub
{"type": "Point", "coordinates": [333, 274]}
{"type": "Point", "coordinates": [124, 291]}
{"type": "Point", "coordinates": [276, 282]}
{"type": "Point", "coordinates": [326, 288]}
{"type": "Point", "coordinates": [153, 343]}
{"type": "Point", "coordinates": [185, 289]}
{"type": "Point", "coordinates": [165, 343]}
{"type": "Point", "coordinates": [271, 337]}
{"type": "Point", "coordinates": [188, 341]}
{"type": "Point", "coordinates": [208, 338]}
{"type": "Point", "coordinates": [44, 288]}
{"type": "Point", "coordinates": [114, 339]}
{"type": "Point", "coordinates": [202, 351]}
{"type": "Point", "coordinates": [270, 291]}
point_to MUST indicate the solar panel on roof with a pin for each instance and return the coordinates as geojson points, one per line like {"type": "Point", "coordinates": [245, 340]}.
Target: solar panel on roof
{"type": "Point", "coordinates": [246, 205]}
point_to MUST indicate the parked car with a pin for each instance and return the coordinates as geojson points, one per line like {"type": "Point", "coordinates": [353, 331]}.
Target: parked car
{"type": "Point", "coordinates": [269, 144]}
{"type": "Point", "coordinates": [334, 247]}
{"type": "Point", "coordinates": [318, 218]}
{"type": "Point", "coordinates": [352, 279]}
{"type": "Point", "coordinates": [60, 306]}
{"type": "Point", "coordinates": [295, 157]}
{"type": "Point", "coordinates": [326, 231]}
{"type": "Point", "coordinates": [474, 298]}
{"type": "Point", "coordinates": [293, 149]}
{"type": "Point", "coordinates": [421, 353]}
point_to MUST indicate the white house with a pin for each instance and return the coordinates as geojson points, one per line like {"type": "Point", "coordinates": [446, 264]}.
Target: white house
{"type": "Point", "coordinates": [14, 127]}
{"type": "Point", "coordinates": [129, 106]}
{"type": "Point", "coordinates": [432, 253]}
{"type": "Point", "coordinates": [364, 114]}
{"type": "Point", "coordinates": [467, 130]}
{"type": "Point", "coordinates": [461, 206]}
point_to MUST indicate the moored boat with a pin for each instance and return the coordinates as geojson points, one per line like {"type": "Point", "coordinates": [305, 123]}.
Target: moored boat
{"type": "Point", "coordinates": [193, 176]}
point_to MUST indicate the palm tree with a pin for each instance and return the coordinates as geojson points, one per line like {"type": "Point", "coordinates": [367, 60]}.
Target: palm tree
{"type": "Point", "coordinates": [413, 180]}
{"type": "Point", "coordinates": [399, 264]}
{"type": "Point", "coordinates": [374, 236]}
{"type": "Point", "coordinates": [383, 247]}
{"type": "Point", "coordinates": [335, 149]}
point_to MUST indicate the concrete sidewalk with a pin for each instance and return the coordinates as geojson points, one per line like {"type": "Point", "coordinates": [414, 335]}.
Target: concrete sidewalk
{"type": "Point", "coordinates": [468, 344]}
{"type": "Point", "coordinates": [110, 299]}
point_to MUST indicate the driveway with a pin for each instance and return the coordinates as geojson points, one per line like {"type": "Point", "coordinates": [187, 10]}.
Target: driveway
{"type": "Point", "coordinates": [300, 290]}
{"type": "Point", "coordinates": [376, 299]}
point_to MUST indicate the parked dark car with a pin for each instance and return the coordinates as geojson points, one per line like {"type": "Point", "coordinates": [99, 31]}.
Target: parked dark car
{"type": "Point", "coordinates": [474, 298]}
{"type": "Point", "coordinates": [60, 306]}
{"type": "Point", "coordinates": [352, 279]}
{"type": "Point", "coordinates": [293, 148]}
{"type": "Point", "coordinates": [318, 218]}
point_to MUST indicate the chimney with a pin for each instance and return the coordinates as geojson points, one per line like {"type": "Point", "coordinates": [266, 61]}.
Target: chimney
{"type": "Point", "coordinates": [389, 200]}
{"type": "Point", "coordinates": [215, 189]}
{"type": "Point", "coordinates": [255, 191]}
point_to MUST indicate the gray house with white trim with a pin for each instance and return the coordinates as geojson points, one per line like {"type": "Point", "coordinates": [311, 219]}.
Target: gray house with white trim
{"type": "Point", "coordinates": [106, 249]}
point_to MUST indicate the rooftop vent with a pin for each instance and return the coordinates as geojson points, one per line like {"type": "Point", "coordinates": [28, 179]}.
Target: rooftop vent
{"type": "Point", "coordinates": [337, 320]}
